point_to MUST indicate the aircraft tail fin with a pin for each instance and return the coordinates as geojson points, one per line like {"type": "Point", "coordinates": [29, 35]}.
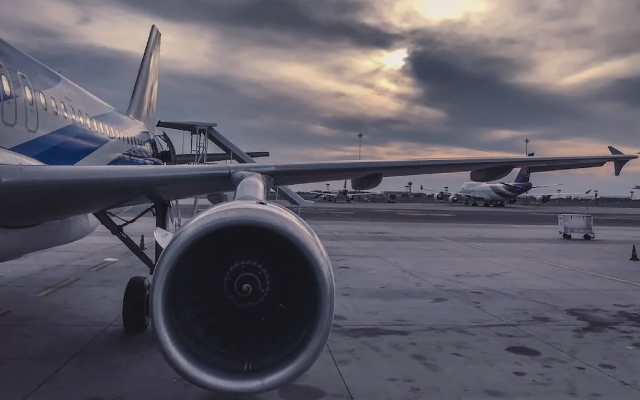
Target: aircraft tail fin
{"type": "Point", "coordinates": [523, 176]}
{"type": "Point", "coordinates": [145, 92]}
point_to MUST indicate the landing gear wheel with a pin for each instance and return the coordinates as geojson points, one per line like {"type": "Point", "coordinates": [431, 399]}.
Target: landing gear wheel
{"type": "Point", "coordinates": [587, 236]}
{"type": "Point", "coordinates": [135, 305]}
{"type": "Point", "coordinates": [565, 236]}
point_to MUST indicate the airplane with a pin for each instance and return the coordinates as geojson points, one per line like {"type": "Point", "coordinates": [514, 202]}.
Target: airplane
{"type": "Point", "coordinates": [242, 296]}
{"type": "Point", "coordinates": [333, 195]}
{"type": "Point", "coordinates": [495, 194]}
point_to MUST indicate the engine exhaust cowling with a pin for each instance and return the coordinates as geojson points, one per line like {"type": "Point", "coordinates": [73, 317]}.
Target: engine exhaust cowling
{"type": "Point", "coordinates": [242, 298]}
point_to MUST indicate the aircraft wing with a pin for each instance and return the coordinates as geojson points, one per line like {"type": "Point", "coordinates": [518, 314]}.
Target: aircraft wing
{"type": "Point", "coordinates": [31, 194]}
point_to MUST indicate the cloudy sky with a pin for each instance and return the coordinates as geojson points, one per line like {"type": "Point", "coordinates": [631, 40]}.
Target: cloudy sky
{"type": "Point", "coordinates": [419, 78]}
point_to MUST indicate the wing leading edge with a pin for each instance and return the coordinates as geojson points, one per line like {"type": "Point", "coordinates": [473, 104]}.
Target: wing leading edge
{"type": "Point", "coordinates": [31, 194]}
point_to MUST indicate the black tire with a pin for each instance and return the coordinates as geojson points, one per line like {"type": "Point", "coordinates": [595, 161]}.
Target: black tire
{"type": "Point", "coordinates": [587, 236]}
{"type": "Point", "coordinates": [135, 305]}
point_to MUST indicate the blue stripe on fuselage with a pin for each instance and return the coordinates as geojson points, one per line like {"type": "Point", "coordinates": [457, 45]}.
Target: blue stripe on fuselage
{"type": "Point", "coordinates": [72, 143]}
{"type": "Point", "coordinates": [64, 146]}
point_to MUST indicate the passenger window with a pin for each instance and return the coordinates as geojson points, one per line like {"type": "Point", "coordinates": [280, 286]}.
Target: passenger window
{"type": "Point", "coordinates": [100, 127]}
{"type": "Point", "coordinates": [88, 121]}
{"type": "Point", "coordinates": [72, 113]}
{"type": "Point", "coordinates": [29, 94]}
{"type": "Point", "coordinates": [63, 108]}
{"type": "Point", "coordinates": [95, 125]}
{"type": "Point", "coordinates": [54, 106]}
{"type": "Point", "coordinates": [111, 134]}
{"type": "Point", "coordinates": [80, 118]}
{"type": "Point", "coordinates": [43, 100]}
{"type": "Point", "coordinates": [6, 86]}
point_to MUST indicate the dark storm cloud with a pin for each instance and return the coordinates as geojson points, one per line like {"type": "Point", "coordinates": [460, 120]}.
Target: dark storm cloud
{"type": "Point", "coordinates": [614, 24]}
{"type": "Point", "coordinates": [475, 89]}
{"type": "Point", "coordinates": [625, 91]}
{"type": "Point", "coordinates": [330, 21]}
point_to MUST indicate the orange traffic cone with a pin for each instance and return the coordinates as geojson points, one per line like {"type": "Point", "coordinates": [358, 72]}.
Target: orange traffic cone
{"type": "Point", "coordinates": [142, 243]}
{"type": "Point", "coordinates": [634, 255]}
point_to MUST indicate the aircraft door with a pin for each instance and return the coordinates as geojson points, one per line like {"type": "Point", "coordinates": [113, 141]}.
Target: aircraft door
{"type": "Point", "coordinates": [8, 98]}
{"type": "Point", "coordinates": [30, 101]}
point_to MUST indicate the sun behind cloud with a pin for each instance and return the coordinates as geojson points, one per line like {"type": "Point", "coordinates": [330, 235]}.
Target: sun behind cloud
{"type": "Point", "coordinates": [395, 59]}
{"type": "Point", "coordinates": [438, 10]}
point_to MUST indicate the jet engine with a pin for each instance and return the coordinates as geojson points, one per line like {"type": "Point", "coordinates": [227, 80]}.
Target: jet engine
{"type": "Point", "coordinates": [454, 199]}
{"type": "Point", "coordinates": [242, 298]}
{"type": "Point", "coordinates": [439, 196]}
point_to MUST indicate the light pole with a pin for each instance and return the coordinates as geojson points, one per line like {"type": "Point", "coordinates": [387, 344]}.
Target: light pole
{"type": "Point", "coordinates": [360, 135]}
{"type": "Point", "coordinates": [526, 146]}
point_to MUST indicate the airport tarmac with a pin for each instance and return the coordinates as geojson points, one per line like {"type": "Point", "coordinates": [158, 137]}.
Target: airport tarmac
{"type": "Point", "coordinates": [446, 213]}
{"type": "Point", "coordinates": [423, 311]}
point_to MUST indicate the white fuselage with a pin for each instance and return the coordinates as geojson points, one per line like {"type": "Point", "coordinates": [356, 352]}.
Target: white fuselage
{"type": "Point", "coordinates": [483, 191]}
{"type": "Point", "coordinates": [47, 119]}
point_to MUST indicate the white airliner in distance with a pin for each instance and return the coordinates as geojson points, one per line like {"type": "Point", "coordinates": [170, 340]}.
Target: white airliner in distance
{"type": "Point", "coordinates": [495, 194]}
{"type": "Point", "coordinates": [334, 195]}
{"type": "Point", "coordinates": [242, 296]}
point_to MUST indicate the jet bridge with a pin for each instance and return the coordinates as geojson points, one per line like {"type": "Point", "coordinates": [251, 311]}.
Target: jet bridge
{"type": "Point", "coordinates": [206, 131]}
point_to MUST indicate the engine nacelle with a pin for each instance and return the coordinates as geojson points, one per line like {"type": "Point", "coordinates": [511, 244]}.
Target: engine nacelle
{"type": "Point", "coordinates": [439, 196]}
{"type": "Point", "coordinates": [242, 298]}
{"type": "Point", "coordinates": [454, 199]}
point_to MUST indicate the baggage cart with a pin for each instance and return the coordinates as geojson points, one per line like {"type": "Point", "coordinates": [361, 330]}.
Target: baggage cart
{"type": "Point", "coordinates": [579, 224]}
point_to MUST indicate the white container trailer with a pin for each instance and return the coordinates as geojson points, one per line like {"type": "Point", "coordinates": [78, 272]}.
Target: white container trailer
{"type": "Point", "coordinates": [581, 224]}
